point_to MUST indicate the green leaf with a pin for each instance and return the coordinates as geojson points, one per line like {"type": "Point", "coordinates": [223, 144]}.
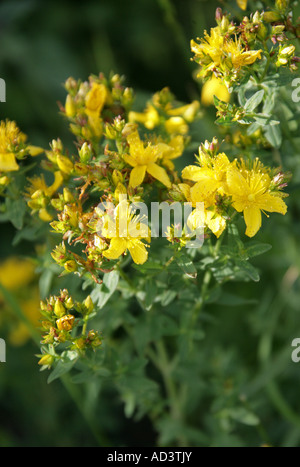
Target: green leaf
{"type": "Point", "coordinates": [16, 209]}
{"type": "Point", "coordinates": [167, 297]}
{"type": "Point", "coordinates": [243, 415]}
{"type": "Point", "coordinates": [269, 103]}
{"type": "Point", "coordinates": [150, 293]}
{"type": "Point", "coordinates": [256, 249]}
{"type": "Point", "coordinates": [64, 365]}
{"type": "Point", "coordinates": [273, 135]}
{"type": "Point", "coordinates": [187, 265]}
{"type": "Point", "coordinates": [248, 270]}
{"type": "Point", "coordinates": [254, 101]}
{"type": "Point", "coordinates": [229, 299]}
{"type": "Point", "coordinates": [102, 293]}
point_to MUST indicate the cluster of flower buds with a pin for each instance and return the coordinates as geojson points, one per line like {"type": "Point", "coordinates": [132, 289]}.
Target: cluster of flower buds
{"type": "Point", "coordinates": [286, 57]}
{"type": "Point", "coordinates": [253, 28]}
{"type": "Point", "coordinates": [164, 116]}
{"type": "Point", "coordinates": [65, 322]}
{"type": "Point", "coordinates": [90, 104]}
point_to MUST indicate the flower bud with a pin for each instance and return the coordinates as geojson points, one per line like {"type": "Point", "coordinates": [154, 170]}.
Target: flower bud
{"type": "Point", "coordinates": [80, 343]}
{"type": "Point", "coordinates": [70, 108]}
{"type": "Point", "coordinates": [65, 323]}
{"type": "Point", "coordinates": [70, 266]}
{"type": "Point", "coordinates": [64, 164]}
{"type": "Point", "coordinates": [271, 16]}
{"type": "Point", "coordinates": [282, 4]}
{"type": "Point", "coordinates": [219, 14]}
{"type": "Point", "coordinates": [59, 309]}
{"type": "Point", "coordinates": [44, 215]}
{"type": "Point", "coordinates": [46, 360]}
{"type": "Point", "coordinates": [88, 303]}
{"type": "Point", "coordinates": [85, 153]}
{"type": "Point", "coordinates": [68, 196]}
{"type": "Point", "coordinates": [69, 303]}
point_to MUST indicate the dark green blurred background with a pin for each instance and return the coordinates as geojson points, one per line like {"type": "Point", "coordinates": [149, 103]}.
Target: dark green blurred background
{"type": "Point", "coordinates": [44, 42]}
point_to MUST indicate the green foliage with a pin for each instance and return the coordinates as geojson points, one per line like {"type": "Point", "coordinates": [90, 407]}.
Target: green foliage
{"type": "Point", "coordinates": [195, 343]}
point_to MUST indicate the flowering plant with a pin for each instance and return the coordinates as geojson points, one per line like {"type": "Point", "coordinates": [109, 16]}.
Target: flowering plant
{"type": "Point", "coordinates": [124, 296]}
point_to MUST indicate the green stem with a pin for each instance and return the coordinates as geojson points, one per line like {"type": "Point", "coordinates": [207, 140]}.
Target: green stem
{"type": "Point", "coordinates": [160, 359]}
{"type": "Point", "coordinates": [162, 362]}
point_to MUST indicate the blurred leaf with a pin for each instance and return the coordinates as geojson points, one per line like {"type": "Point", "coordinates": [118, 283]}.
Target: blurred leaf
{"type": "Point", "coordinates": [102, 293]}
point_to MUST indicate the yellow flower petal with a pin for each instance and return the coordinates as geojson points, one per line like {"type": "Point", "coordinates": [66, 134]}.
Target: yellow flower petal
{"type": "Point", "coordinates": [116, 248]}
{"type": "Point", "coordinates": [242, 4]}
{"type": "Point", "coordinates": [215, 223]}
{"type": "Point", "coordinates": [272, 203]}
{"type": "Point", "coordinates": [130, 160]}
{"type": "Point", "coordinates": [191, 172]}
{"type": "Point", "coordinates": [135, 144]}
{"type": "Point", "coordinates": [252, 216]}
{"type": "Point", "coordinates": [159, 173]}
{"type": "Point", "coordinates": [95, 98]}
{"type": "Point", "coordinates": [8, 162]}
{"type": "Point", "coordinates": [237, 184]}
{"type": "Point", "coordinates": [185, 190]}
{"type": "Point", "coordinates": [203, 190]}
{"type": "Point", "coordinates": [196, 219]}
{"type": "Point", "coordinates": [138, 251]}
{"type": "Point", "coordinates": [44, 215]}
{"type": "Point", "coordinates": [137, 175]}
{"type": "Point", "coordinates": [35, 150]}
{"type": "Point", "coordinates": [58, 179]}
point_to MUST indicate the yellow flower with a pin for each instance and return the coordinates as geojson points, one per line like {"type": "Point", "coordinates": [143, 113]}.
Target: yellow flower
{"type": "Point", "coordinates": [214, 87]}
{"type": "Point", "coordinates": [210, 178]}
{"type": "Point", "coordinates": [209, 217]}
{"type": "Point", "coordinates": [222, 55]}
{"type": "Point", "coordinates": [160, 111]}
{"type": "Point", "coordinates": [239, 56]}
{"type": "Point", "coordinates": [210, 50]}
{"type": "Point", "coordinates": [199, 217]}
{"type": "Point", "coordinates": [94, 103]}
{"type": "Point", "coordinates": [41, 194]}
{"type": "Point", "coordinates": [175, 150]}
{"type": "Point", "coordinates": [250, 192]}
{"type": "Point", "coordinates": [149, 118]}
{"type": "Point", "coordinates": [176, 125]}
{"type": "Point", "coordinates": [39, 184]}
{"type": "Point", "coordinates": [187, 111]}
{"type": "Point", "coordinates": [126, 232]}
{"type": "Point", "coordinates": [20, 333]}
{"type": "Point", "coordinates": [95, 99]}
{"type": "Point", "coordinates": [143, 160]}
{"type": "Point", "coordinates": [242, 4]}
{"type": "Point", "coordinates": [16, 272]}
{"type": "Point", "coordinates": [8, 162]}
{"type": "Point", "coordinates": [12, 144]}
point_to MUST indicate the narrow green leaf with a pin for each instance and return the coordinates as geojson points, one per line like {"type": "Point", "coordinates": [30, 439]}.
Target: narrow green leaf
{"type": "Point", "coordinates": [273, 135]}
{"type": "Point", "coordinates": [187, 265]}
{"type": "Point", "coordinates": [254, 101]}
{"type": "Point", "coordinates": [102, 293]}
